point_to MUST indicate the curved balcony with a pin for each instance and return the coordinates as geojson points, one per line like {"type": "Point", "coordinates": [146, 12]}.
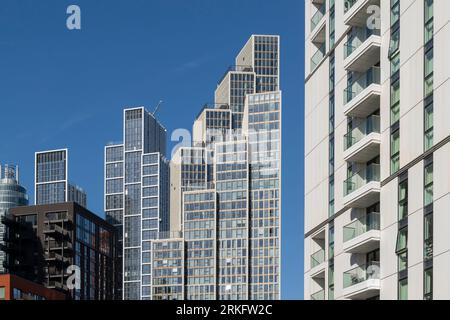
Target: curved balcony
{"type": "Point", "coordinates": [357, 13]}
{"type": "Point", "coordinates": [363, 50]}
{"type": "Point", "coordinates": [318, 296]}
{"type": "Point", "coordinates": [362, 235]}
{"type": "Point", "coordinates": [318, 16]}
{"type": "Point", "coordinates": [363, 142]}
{"type": "Point", "coordinates": [362, 97]}
{"type": "Point", "coordinates": [362, 189]}
{"type": "Point", "coordinates": [318, 264]}
{"type": "Point", "coordinates": [362, 282]}
{"type": "Point", "coordinates": [317, 57]}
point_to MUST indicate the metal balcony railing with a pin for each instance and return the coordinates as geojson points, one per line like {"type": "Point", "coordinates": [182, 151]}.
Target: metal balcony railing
{"type": "Point", "coordinates": [369, 174]}
{"type": "Point", "coordinates": [370, 125]}
{"type": "Point", "coordinates": [362, 273]}
{"type": "Point", "coordinates": [357, 228]}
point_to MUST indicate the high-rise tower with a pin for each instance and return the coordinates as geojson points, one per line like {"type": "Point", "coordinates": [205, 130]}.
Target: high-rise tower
{"type": "Point", "coordinates": [137, 197]}
{"type": "Point", "coordinates": [12, 194]}
{"type": "Point", "coordinates": [377, 149]}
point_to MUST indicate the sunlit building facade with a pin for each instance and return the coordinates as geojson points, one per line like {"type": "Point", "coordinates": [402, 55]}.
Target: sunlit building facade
{"type": "Point", "coordinates": [377, 150]}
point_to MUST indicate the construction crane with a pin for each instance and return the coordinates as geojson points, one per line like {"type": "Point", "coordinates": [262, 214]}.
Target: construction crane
{"type": "Point", "coordinates": [157, 107]}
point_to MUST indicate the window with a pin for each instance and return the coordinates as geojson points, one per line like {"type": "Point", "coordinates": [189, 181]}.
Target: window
{"type": "Point", "coordinates": [2, 293]}
{"type": "Point", "coordinates": [395, 63]}
{"type": "Point", "coordinates": [395, 102]}
{"type": "Point", "coordinates": [403, 289]}
{"type": "Point", "coordinates": [403, 200]}
{"type": "Point", "coordinates": [428, 284]}
{"type": "Point", "coordinates": [402, 253]}
{"type": "Point", "coordinates": [428, 237]}
{"type": "Point", "coordinates": [395, 151]}
{"type": "Point", "coordinates": [331, 243]}
{"type": "Point", "coordinates": [428, 72]}
{"type": "Point", "coordinates": [332, 23]}
{"type": "Point", "coordinates": [395, 42]}
{"type": "Point", "coordinates": [402, 249]}
{"type": "Point", "coordinates": [428, 185]}
{"type": "Point", "coordinates": [429, 17]}
{"type": "Point", "coordinates": [395, 11]}
{"type": "Point", "coordinates": [429, 126]}
{"type": "Point", "coordinates": [403, 261]}
{"type": "Point", "coordinates": [402, 240]}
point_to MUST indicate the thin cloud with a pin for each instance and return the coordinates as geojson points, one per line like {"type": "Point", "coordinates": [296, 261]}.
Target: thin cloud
{"type": "Point", "coordinates": [191, 65]}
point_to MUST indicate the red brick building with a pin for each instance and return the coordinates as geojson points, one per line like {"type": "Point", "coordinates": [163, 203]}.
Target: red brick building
{"type": "Point", "coordinates": [16, 288]}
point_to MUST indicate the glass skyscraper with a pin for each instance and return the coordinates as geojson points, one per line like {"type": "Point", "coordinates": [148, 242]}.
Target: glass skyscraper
{"type": "Point", "coordinates": [225, 193]}
{"type": "Point", "coordinates": [137, 197]}
{"type": "Point", "coordinates": [51, 179]}
{"type": "Point", "coordinates": [12, 194]}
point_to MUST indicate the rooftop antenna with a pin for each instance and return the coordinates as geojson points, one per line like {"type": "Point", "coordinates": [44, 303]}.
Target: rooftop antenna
{"type": "Point", "coordinates": [157, 107]}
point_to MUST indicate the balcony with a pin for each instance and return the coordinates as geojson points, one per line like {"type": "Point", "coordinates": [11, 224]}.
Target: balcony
{"type": "Point", "coordinates": [363, 235]}
{"type": "Point", "coordinates": [363, 188]}
{"type": "Point", "coordinates": [318, 264]}
{"type": "Point", "coordinates": [363, 143]}
{"type": "Point", "coordinates": [320, 295]}
{"type": "Point", "coordinates": [55, 231]}
{"type": "Point", "coordinates": [57, 284]}
{"type": "Point", "coordinates": [362, 282]}
{"type": "Point", "coordinates": [317, 57]}
{"type": "Point", "coordinates": [363, 50]}
{"type": "Point", "coordinates": [362, 97]}
{"type": "Point", "coordinates": [318, 16]}
{"type": "Point", "coordinates": [53, 257]}
{"type": "Point", "coordinates": [356, 12]}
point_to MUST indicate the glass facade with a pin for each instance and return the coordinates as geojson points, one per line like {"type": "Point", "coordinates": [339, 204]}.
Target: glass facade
{"type": "Point", "coordinates": [12, 194]}
{"type": "Point", "coordinates": [168, 270]}
{"type": "Point", "coordinates": [200, 218]}
{"type": "Point", "coordinates": [264, 136]}
{"type": "Point", "coordinates": [137, 197]}
{"type": "Point", "coordinates": [51, 176]}
{"type": "Point", "coordinates": [227, 187]}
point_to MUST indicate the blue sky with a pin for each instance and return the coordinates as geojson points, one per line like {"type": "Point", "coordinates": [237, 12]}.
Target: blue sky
{"type": "Point", "coordinates": [61, 88]}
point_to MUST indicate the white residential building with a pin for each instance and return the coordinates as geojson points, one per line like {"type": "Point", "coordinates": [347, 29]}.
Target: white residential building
{"type": "Point", "coordinates": [377, 149]}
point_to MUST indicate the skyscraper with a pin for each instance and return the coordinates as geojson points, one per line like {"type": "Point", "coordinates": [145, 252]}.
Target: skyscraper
{"type": "Point", "coordinates": [256, 70]}
{"type": "Point", "coordinates": [377, 150]}
{"type": "Point", "coordinates": [12, 194]}
{"type": "Point", "coordinates": [224, 241]}
{"type": "Point", "coordinates": [52, 183]}
{"type": "Point", "coordinates": [137, 196]}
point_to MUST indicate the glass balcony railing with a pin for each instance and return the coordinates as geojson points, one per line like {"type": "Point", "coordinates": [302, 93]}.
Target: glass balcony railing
{"type": "Point", "coordinates": [371, 76]}
{"type": "Point", "coordinates": [357, 228]}
{"type": "Point", "coordinates": [348, 4]}
{"type": "Point", "coordinates": [317, 17]}
{"type": "Point", "coordinates": [370, 125]}
{"type": "Point", "coordinates": [317, 57]}
{"type": "Point", "coordinates": [318, 295]}
{"type": "Point", "coordinates": [369, 174]}
{"type": "Point", "coordinates": [317, 258]}
{"type": "Point", "coordinates": [357, 41]}
{"type": "Point", "coordinates": [362, 273]}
